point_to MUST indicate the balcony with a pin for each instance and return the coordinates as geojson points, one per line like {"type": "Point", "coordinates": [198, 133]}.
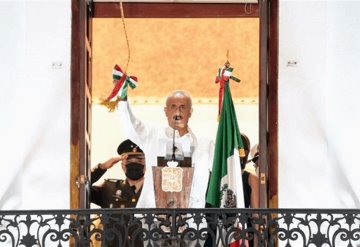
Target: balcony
{"type": "Point", "coordinates": [180, 227]}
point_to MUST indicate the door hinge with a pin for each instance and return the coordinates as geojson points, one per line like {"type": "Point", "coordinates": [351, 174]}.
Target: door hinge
{"type": "Point", "coordinates": [262, 178]}
{"type": "Point", "coordinates": [81, 180]}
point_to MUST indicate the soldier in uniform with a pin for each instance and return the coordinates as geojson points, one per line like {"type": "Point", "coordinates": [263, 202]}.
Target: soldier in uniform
{"type": "Point", "coordinates": [120, 193]}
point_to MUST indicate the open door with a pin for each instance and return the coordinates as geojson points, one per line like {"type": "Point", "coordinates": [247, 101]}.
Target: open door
{"type": "Point", "coordinates": [83, 13]}
{"type": "Point", "coordinates": [81, 100]}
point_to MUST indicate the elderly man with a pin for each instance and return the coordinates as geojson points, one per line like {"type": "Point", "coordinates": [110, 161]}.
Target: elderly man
{"type": "Point", "coordinates": [153, 140]}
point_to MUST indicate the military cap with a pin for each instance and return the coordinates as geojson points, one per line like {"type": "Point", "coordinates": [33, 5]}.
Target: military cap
{"type": "Point", "coordinates": [129, 147]}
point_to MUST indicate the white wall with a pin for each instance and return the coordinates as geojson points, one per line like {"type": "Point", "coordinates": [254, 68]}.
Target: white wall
{"type": "Point", "coordinates": [319, 104]}
{"type": "Point", "coordinates": [35, 106]}
{"type": "Point", "coordinates": [344, 100]}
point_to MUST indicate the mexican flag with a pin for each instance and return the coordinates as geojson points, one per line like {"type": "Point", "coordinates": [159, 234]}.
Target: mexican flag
{"type": "Point", "coordinates": [225, 185]}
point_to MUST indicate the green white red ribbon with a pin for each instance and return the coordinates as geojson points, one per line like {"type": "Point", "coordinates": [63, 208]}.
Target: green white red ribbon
{"type": "Point", "coordinates": [122, 81]}
{"type": "Point", "coordinates": [223, 76]}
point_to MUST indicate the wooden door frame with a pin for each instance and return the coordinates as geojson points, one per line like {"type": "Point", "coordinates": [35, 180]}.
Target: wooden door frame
{"type": "Point", "coordinates": [273, 127]}
{"type": "Point", "coordinates": [268, 104]}
{"type": "Point", "coordinates": [80, 125]}
{"type": "Point", "coordinates": [82, 10]}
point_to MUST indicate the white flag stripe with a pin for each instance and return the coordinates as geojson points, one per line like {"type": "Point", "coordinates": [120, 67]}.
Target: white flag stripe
{"type": "Point", "coordinates": [234, 179]}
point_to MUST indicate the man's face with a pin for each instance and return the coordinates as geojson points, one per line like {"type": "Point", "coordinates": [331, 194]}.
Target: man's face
{"type": "Point", "coordinates": [178, 111]}
{"type": "Point", "coordinates": [134, 166]}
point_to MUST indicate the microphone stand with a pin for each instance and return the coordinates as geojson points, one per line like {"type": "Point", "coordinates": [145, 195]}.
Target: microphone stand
{"type": "Point", "coordinates": [173, 163]}
{"type": "Point", "coordinates": [174, 147]}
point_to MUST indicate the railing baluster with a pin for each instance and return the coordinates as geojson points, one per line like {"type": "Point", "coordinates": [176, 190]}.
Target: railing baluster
{"type": "Point", "coordinates": [180, 227]}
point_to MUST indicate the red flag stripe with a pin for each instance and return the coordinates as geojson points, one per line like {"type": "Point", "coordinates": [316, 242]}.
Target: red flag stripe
{"type": "Point", "coordinates": [117, 88]}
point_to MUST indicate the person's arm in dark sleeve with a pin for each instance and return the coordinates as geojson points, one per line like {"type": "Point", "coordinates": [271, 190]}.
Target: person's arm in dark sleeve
{"type": "Point", "coordinates": [96, 191]}
{"type": "Point", "coordinates": [97, 173]}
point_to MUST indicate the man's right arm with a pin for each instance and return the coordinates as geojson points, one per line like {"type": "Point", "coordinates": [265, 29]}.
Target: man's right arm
{"type": "Point", "coordinates": [132, 126]}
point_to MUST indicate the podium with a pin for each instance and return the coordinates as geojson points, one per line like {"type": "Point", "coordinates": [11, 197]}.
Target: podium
{"type": "Point", "coordinates": [172, 186]}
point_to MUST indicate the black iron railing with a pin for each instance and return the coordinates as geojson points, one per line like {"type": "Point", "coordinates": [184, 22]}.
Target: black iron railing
{"type": "Point", "coordinates": [180, 227]}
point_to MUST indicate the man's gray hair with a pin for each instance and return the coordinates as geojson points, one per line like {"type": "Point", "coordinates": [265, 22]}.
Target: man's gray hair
{"type": "Point", "coordinates": [179, 92]}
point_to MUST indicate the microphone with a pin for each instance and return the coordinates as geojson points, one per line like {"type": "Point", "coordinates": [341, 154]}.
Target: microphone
{"type": "Point", "coordinates": [176, 117]}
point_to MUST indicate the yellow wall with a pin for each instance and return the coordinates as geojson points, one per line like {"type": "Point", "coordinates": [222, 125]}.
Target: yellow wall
{"type": "Point", "coordinates": [168, 54]}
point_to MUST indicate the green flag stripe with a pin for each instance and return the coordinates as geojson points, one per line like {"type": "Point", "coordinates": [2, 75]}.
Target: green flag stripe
{"type": "Point", "coordinates": [227, 139]}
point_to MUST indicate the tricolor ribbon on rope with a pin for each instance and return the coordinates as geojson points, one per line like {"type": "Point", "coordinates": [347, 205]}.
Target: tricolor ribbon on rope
{"type": "Point", "coordinates": [223, 76]}
{"type": "Point", "coordinates": [121, 81]}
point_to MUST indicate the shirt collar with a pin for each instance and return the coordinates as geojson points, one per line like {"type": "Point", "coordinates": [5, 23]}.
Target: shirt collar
{"type": "Point", "coordinates": [169, 132]}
